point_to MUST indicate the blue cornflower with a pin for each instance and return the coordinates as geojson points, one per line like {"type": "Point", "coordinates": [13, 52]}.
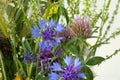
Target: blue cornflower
{"type": "Point", "coordinates": [29, 57]}
{"type": "Point", "coordinates": [70, 72]}
{"type": "Point", "coordinates": [48, 33]}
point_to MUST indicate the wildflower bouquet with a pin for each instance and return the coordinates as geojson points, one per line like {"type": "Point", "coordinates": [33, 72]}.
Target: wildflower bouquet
{"type": "Point", "coordinates": [50, 40]}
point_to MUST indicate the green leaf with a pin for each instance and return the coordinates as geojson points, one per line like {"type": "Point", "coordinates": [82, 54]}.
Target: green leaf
{"type": "Point", "coordinates": [30, 70]}
{"type": "Point", "coordinates": [68, 2]}
{"type": "Point", "coordinates": [4, 26]}
{"type": "Point", "coordinates": [64, 13]}
{"type": "Point", "coordinates": [42, 77]}
{"type": "Point", "coordinates": [74, 49]}
{"type": "Point", "coordinates": [26, 46]}
{"type": "Point", "coordinates": [55, 49]}
{"type": "Point", "coordinates": [88, 73]}
{"type": "Point", "coordinates": [95, 60]}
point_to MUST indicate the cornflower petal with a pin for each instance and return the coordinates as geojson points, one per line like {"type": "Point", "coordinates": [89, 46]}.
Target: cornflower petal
{"type": "Point", "coordinates": [52, 23]}
{"type": "Point", "coordinates": [35, 32]}
{"type": "Point", "coordinates": [52, 43]}
{"type": "Point", "coordinates": [68, 60]}
{"type": "Point", "coordinates": [43, 24]}
{"type": "Point", "coordinates": [56, 67]}
{"type": "Point", "coordinates": [59, 28]}
{"type": "Point", "coordinates": [58, 39]}
{"type": "Point", "coordinates": [41, 44]}
{"type": "Point", "coordinates": [77, 63]}
{"type": "Point", "coordinates": [81, 75]}
{"type": "Point", "coordinates": [44, 45]}
{"type": "Point", "coordinates": [54, 76]}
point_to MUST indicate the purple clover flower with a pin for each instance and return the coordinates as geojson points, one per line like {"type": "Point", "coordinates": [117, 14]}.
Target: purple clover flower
{"type": "Point", "coordinates": [48, 33]}
{"type": "Point", "coordinates": [81, 26]}
{"type": "Point", "coordinates": [70, 72]}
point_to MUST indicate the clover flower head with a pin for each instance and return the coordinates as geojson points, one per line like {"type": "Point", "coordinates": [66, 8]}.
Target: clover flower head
{"type": "Point", "coordinates": [48, 33]}
{"type": "Point", "coordinates": [70, 72]}
{"type": "Point", "coordinates": [81, 26]}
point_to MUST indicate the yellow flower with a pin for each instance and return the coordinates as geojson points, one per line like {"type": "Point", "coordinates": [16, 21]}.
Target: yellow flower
{"type": "Point", "coordinates": [54, 10]}
{"type": "Point", "coordinates": [48, 13]}
{"type": "Point", "coordinates": [17, 78]}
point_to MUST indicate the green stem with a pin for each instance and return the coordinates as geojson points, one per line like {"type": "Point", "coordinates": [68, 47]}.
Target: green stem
{"type": "Point", "coordinates": [3, 69]}
{"type": "Point", "coordinates": [93, 51]}
{"type": "Point", "coordinates": [13, 44]}
{"type": "Point", "coordinates": [110, 56]}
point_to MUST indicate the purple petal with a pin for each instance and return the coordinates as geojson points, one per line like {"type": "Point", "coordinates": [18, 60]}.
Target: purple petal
{"type": "Point", "coordinates": [44, 45]}
{"type": "Point", "coordinates": [86, 19]}
{"type": "Point", "coordinates": [81, 75]}
{"type": "Point", "coordinates": [77, 20]}
{"type": "Point", "coordinates": [77, 64]}
{"type": "Point", "coordinates": [54, 76]}
{"type": "Point", "coordinates": [56, 67]}
{"type": "Point", "coordinates": [41, 44]}
{"type": "Point", "coordinates": [58, 39]}
{"type": "Point", "coordinates": [51, 23]}
{"type": "Point", "coordinates": [43, 24]}
{"type": "Point", "coordinates": [59, 28]}
{"type": "Point", "coordinates": [52, 43]}
{"type": "Point", "coordinates": [59, 52]}
{"type": "Point", "coordinates": [68, 60]}
{"type": "Point", "coordinates": [35, 32]}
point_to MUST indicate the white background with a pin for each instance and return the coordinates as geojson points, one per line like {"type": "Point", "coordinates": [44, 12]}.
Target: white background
{"type": "Point", "coordinates": [110, 69]}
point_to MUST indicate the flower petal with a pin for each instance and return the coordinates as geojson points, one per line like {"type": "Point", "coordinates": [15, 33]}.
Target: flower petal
{"type": "Point", "coordinates": [58, 39]}
{"type": "Point", "coordinates": [56, 67]}
{"type": "Point", "coordinates": [51, 23]}
{"type": "Point", "coordinates": [51, 43]}
{"type": "Point", "coordinates": [54, 76]}
{"type": "Point", "coordinates": [43, 24]}
{"type": "Point", "coordinates": [35, 32]}
{"type": "Point", "coordinates": [44, 45]}
{"type": "Point", "coordinates": [77, 64]}
{"type": "Point", "coordinates": [59, 28]}
{"type": "Point", "coordinates": [68, 60]}
{"type": "Point", "coordinates": [81, 75]}
{"type": "Point", "coordinates": [41, 44]}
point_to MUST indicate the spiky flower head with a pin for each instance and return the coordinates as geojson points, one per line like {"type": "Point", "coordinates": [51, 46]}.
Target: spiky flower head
{"type": "Point", "coordinates": [81, 27]}
{"type": "Point", "coordinates": [48, 33]}
{"type": "Point", "coordinates": [29, 57]}
{"type": "Point", "coordinates": [70, 72]}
